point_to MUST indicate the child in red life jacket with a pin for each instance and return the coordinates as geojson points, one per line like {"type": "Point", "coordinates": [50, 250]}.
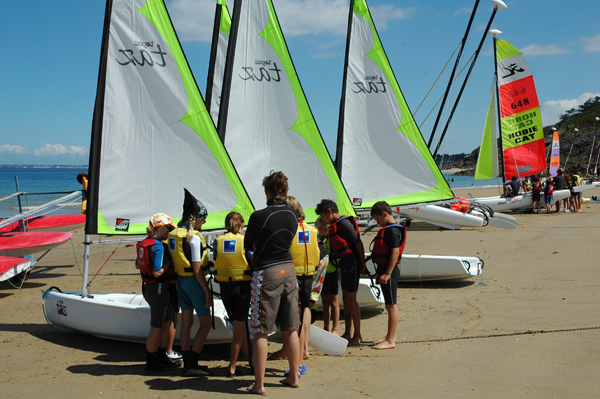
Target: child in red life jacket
{"type": "Point", "coordinates": [348, 249]}
{"type": "Point", "coordinates": [156, 271]}
{"type": "Point", "coordinates": [329, 294]}
{"type": "Point", "coordinates": [387, 252]}
{"type": "Point", "coordinates": [548, 191]}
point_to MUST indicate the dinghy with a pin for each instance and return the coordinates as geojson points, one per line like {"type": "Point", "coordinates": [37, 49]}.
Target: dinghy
{"type": "Point", "coordinates": [11, 266]}
{"type": "Point", "coordinates": [56, 223]}
{"type": "Point", "coordinates": [20, 244]}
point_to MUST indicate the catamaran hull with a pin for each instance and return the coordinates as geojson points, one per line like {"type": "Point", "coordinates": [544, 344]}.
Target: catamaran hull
{"type": "Point", "coordinates": [11, 267]}
{"type": "Point", "coordinates": [57, 223]}
{"type": "Point", "coordinates": [585, 187]}
{"type": "Point", "coordinates": [21, 244]}
{"type": "Point", "coordinates": [433, 267]}
{"type": "Point", "coordinates": [367, 296]}
{"type": "Point", "coordinates": [123, 317]}
{"type": "Point", "coordinates": [498, 204]}
{"type": "Point", "coordinates": [442, 217]}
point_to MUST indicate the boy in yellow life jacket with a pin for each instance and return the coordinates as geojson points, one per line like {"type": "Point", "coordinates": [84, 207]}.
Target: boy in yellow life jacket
{"type": "Point", "coordinates": [232, 272]}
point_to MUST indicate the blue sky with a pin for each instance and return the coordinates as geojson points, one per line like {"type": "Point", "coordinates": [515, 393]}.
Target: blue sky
{"type": "Point", "coordinates": [51, 50]}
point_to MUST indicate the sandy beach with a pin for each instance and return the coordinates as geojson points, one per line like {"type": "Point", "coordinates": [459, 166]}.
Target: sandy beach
{"type": "Point", "coordinates": [533, 331]}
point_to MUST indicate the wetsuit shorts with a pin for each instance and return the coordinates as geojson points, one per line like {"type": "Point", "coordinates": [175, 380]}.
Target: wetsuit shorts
{"type": "Point", "coordinates": [191, 295]}
{"type": "Point", "coordinates": [390, 289]}
{"type": "Point", "coordinates": [157, 296]}
{"type": "Point", "coordinates": [304, 290]}
{"type": "Point", "coordinates": [548, 199]}
{"type": "Point", "coordinates": [350, 273]}
{"type": "Point", "coordinates": [536, 196]}
{"type": "Point", "coordinates": [331, 283]}
{"type": "Point", "coordinates": [274, 299]}
{"type": "Point", "coordinates": [236, 299]}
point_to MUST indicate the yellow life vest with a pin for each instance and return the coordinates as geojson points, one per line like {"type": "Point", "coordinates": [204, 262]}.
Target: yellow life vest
{"type": "Point", "coordinates": [231, 263]}
{"type": "Point", "coordinates": [181, 263]}
{"type": "Point", "coordinates": [305, 250]}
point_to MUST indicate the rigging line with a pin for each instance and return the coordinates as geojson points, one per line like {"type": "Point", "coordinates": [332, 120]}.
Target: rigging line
{"type": "Point", "coordinates": [442, 96]}
{"type": "Point", "coordinates": [434, 83]}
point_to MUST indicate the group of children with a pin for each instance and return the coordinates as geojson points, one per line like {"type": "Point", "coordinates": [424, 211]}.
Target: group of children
{"type": "Point", "coordinates": [179, 254]}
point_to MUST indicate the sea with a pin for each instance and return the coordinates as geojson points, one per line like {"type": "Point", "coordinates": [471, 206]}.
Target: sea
{"type": "Point", "coordinates": [41, 179]}
{"type": "Point", "coordinates": [64, 179]}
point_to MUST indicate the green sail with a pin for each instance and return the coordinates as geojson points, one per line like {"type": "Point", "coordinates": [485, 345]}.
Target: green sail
{"type": "Point", "coordinates": [487, 162]}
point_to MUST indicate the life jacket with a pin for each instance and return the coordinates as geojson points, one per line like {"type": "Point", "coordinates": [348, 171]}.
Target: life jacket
{"type": "Point", "coordinates": [145, 260]}
{"type": "Point", "coordinates": [462, 205]}
{"type": "Point", "coordinates": [550, 189]}
{"type": "Point", "coordinates": [231, 263]}
{"type": "Point", "coordinates": [305, 250]}
{"type": "Point", "coordinates": [181, 252]}
{"type": "Point", "coordinates": [578, 180]}
{"type": "Point", "coordinates": [381, 251]}
{"type": "Point", "coordinates": [537, 187]}
{"type": "Point", "coordinates": [340, 247]}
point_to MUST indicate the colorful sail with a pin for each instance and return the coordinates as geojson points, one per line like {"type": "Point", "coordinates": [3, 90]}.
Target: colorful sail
{"type": "Point", "coordinates": [555, 155]}
{"type": "Point", "coordinates": [151, 133]}
{"type": "Point", "coordinates": [487, 162]}
{"type": "Point", "coordinates": [522, 133]}
{"type": "Point", "coordinates": [265, 121]}
{"type": "Point", "coordinates": [381, 154]}
{"type": "Point", "coordinates": [218, 55]}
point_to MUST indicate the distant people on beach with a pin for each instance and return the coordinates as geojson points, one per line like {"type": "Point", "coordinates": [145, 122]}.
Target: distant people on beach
{"type": "Point", "coordinates": [548, 191]}
{"type": "Point", "coordinates": [536, 190]}
{"type": "Point", "coordinates": [559, 184]}
{"type": "Point", "coordinates": [82, 178]}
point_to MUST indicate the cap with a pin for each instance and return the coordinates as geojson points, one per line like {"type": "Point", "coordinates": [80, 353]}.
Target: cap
{"type": "Point", "coordinates": [191, 206]}
{"type": "Point", "coordinates": [160, 219]}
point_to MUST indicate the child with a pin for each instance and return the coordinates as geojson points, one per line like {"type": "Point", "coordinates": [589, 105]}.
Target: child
{"type": "Point", "coordinates": [536, 190]}
{"type": "Point", "coordinates": [329, 294]}
{"type": "Point", "coordinates": [348, 249]}
{"type": "Point", "coordinates": [548, 191]}
{"type": "Point", "coordinates": [232, 272]}
{"type": "Point", "coordinates": [387, 252]}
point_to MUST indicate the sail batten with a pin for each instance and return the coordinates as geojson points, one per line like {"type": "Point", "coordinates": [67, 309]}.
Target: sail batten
{"type": "Point", "coordinates": [152, 135]}
{"type": "Point", "coordinates": [381, 152]}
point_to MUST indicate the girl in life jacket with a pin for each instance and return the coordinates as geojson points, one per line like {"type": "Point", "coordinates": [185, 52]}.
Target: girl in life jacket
{"type": "Point", "coordinates": [232, 271]}
{"type": "Point", "coordinates": [156, 270]}
{"type": "Point", "coordinates": [190, 258]}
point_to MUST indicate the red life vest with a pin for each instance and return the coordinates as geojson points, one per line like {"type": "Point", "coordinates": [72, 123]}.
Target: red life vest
{"type": "Point", "coordinates": [381, 251]}
{"type": "Point", "coordinates": [339, 246]}
{"type": "Point", "coordinates": [145, 262]}
{"type": "Point", "coordinates": [537, 187]}
{"type": "Point", "coordinates": [462, 205]}
{"type": "Point", "coordinates": [550, 190]}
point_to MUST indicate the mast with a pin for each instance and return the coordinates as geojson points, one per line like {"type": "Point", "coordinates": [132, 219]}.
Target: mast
{"type": "Point", "coordinates": [494, 33]}
{"type": "Point", "coordinates": [340, 139]}
{"type": "Point", "coordinates": [456, 63]}
{"type": "Point", "coordinates": [213, 57]}
{"type": "Point", "coordinates": [498, 4]}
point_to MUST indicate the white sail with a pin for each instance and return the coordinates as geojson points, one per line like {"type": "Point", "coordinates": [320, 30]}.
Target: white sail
{"type": "Point", "coordinates": [152, 135]}
{"type": "Point", "coordinates": [265, 120]}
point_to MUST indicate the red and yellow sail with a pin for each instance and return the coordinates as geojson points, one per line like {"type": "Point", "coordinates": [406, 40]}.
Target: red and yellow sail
{"type": "Point", "coordinates": [522, 133]}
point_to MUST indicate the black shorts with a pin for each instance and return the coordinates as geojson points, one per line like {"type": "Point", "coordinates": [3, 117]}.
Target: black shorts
{"type": "Point", "coordinates": [236, 299]}
{"type": "Point", "coordinates": [173, 298]}
{"type": "Point", "coordinates": [536, 197]}
{"type": "Point", "coordinates": [349, 272]}
{"type": "Point", "coordinates": [331, 283]}
{"type": "Point", "coordinates": [304, 290]}
{"type": "Point", "coordinates": [157, 296]}
{"type": "Point", "coordinates": [390, 289]}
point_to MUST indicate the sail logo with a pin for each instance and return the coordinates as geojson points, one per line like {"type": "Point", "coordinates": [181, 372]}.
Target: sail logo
{"type": "Point", "coordinates": [61, 308]}
{"type": "Point", "coordinates": [145, 57]}
{"type": "Point", "coordinates": [356, 201]}
{"type": "Point", "coordinates": [372, 84]}
{"type": "Point", "coordinates": [512, 70]}
{"type": "Point", "coordinates": [267, 71]}
{"type": "Point", "coordinates": [122, 224]}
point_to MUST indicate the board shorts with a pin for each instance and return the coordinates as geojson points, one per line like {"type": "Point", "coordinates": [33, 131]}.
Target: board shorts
{"type": "Point", "coordinates": [191, 295]}
{"type": "Point", "coordinates": [389, 290]}
{"type": "Point", "coordinates": [350, 275]}
{"type": "Point", "coordinates": [236, 299]}
{"type": "Point", "coordinates": [304, 290]}
{"type": "Point", "coordinates": [274, 299]}
{"type": "Point", "coordinates": [548, 199]}
{"type": "Point", "coordinates": [536, 196]}
{"type": "Point", "coordinates": [157, 296]}
{"type": "Point", "coordinates": [331, 283]}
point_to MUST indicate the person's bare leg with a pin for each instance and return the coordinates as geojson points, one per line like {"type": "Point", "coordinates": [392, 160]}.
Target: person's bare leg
{"type": "Point", "coordinates": [347, 317]}
{"type": "Point", "coordinates": [200, 338]}
{"type": "Point", "coordinates": [305, 334]}
{"type": "Point", "coordinates": [355, 315]}
{"type": "Point", "coordinates": [326, 299]}
{"type": "Point", "coordinates": [239, 332]}
{"type": "Point", "coordinates": [259, 361]}
{"type": "Point", "coordinates": [187, 319]}
{"type": "Point", "coordinates": [291, 337]}
{"type": "Point", "coordinates": [389, 341]}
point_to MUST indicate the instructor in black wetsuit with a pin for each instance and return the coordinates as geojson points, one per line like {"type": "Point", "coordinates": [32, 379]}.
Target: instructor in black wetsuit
{"type": "Point", "coordinates": [274, 300]}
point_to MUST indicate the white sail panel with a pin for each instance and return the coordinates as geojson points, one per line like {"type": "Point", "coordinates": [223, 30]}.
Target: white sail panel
{"type": "Point", "coordinates": [151, 146]}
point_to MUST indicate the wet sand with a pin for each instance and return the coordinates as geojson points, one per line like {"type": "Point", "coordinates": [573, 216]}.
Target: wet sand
{"type": "Point", "coordinates": [532, 332]}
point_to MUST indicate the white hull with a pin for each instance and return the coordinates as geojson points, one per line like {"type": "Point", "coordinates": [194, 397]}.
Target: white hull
{"type": "Point", "coordinates": [442, 217]}
{"type": "Point", "coordinates": [499, 204]}
{"type": "Point", "coordinates": [432, 267]}
{"type": "Point", "coordinates": [16, 270]}
{"type": "Point", "coordinates": [367, 296]}
{"type": "Point", "coordinates": [123, 317]}
{"type": "Point", "coordinates": [586, 187]}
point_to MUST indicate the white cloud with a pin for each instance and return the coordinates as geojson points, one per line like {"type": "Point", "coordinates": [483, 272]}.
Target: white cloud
{"type": "Point", "coordinates": [60, 149]}
{"type": "Point", "coordinates": [591, 44]}
{"type": "Point", "coordinates": [15, 149]}
{"type": "Point", "coordinates": [332, 54]}
{"type": "Point", "coordinates": [534, 49]}
{"type": "Point", "coordinates": [194, 19]}
{"type": "Point", "coordinates": [464, 10]}
{"type": "Point", "coordinates": [553, 109]}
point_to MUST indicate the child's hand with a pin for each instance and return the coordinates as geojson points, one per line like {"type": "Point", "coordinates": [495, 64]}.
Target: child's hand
{"type": "Point", "coordinates": [383, 279]}
{"type": "Point", "coordinates": [209, 301]}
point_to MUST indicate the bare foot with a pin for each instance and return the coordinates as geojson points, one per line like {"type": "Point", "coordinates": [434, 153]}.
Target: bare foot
{"type": "Point", "coordinates": [306, 356]}
{"type": "Point", "coordinates": [278, 355]}
{"type": "Point", "coordinates": [347, 337]}
{"type": "Point", "coordinates": [385, 345]}
{"type": "Point", "coordinates": [260, 392]}
{"type": "Point", "coordinates": [335, 332]}
{"type": "Point", "coordinates": [290, 382]}
{"type": "Point", "coordinates": [379, 341]}
{"type": "Point", "coordinates": [355, 341]}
